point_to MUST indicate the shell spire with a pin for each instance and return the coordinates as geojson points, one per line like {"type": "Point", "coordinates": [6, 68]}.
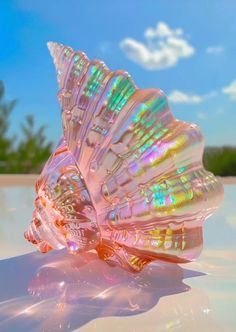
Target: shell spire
{"type": "Point", "coordinates": [127, 178]}
{"type": "Point", "coordinates": [61, 59]}
{"type": "Point", "coordinates": [52, 46]}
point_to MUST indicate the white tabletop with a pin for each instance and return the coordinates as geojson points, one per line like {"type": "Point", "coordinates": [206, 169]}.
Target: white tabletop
{"type": "Point", "coordinates": [60, 292]}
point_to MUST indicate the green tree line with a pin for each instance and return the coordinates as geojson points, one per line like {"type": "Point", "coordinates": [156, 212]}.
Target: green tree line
{"type": "Point", "coordinates": [220, 160]}
{"type": "Point", "coordinates": [29, 153]}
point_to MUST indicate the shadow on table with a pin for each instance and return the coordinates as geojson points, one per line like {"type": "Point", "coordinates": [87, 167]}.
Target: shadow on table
{"type": "Point", "coordinates": [61, 292]}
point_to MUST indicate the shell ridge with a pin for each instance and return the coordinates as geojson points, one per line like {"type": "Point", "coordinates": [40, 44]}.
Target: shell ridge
{"type": "Point", "coordinates": [133, 151]}
{"type": "Point", "coordinates": [89, 106]}
{"type": "Point", "coordinates": [97, 110]}
{"type": "Point", "coordinates": [130, 106]}
{"type": "Point", "coordinates": [176, 130]}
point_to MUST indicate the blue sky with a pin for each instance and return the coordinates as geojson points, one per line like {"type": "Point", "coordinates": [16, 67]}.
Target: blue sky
{"type": "Point", "coordinates": [185, 47]}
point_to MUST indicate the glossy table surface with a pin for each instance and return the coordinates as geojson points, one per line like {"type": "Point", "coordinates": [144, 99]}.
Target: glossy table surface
{"type": "Point", "coordinates": [60, 292]}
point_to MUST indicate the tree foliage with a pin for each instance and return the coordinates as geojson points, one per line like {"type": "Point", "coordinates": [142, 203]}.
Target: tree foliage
{"type": "Point", "coordinates": [5, 112]}
{"type": "Point", "coordinates": [220, 160]}
{"type": "Point", "coordinates": [24, 155]}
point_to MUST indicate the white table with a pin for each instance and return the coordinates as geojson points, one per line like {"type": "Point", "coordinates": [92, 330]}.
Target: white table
{"type": "Point", "coordinates": [59, 292]}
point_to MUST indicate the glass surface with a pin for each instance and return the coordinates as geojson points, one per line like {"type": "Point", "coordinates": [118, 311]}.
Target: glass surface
{"type": "Point", "coordinates": [60, 292]}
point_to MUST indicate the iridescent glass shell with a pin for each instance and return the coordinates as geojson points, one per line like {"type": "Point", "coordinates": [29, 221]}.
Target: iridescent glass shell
{"type": "Point", "coordinates": [126, 178]}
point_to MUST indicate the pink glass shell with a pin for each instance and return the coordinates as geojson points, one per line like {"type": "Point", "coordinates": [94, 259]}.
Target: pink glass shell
{"type": "Point", "coordinates": [126, 178]}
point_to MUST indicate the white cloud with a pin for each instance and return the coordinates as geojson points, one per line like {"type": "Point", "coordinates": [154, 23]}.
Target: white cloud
{"type": "Point", "coordinates": [230, 90]}
{"type": "Point", "coordinates": [163, 48]}
{"type": "Point", "coordinates": [217, 49]}
{"type": "Point", "coordinates": [179, 97]}
{"type": "Point", "coordinates": [201, 116]}
{"type": "Point", "coordinates": [162, 30]}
